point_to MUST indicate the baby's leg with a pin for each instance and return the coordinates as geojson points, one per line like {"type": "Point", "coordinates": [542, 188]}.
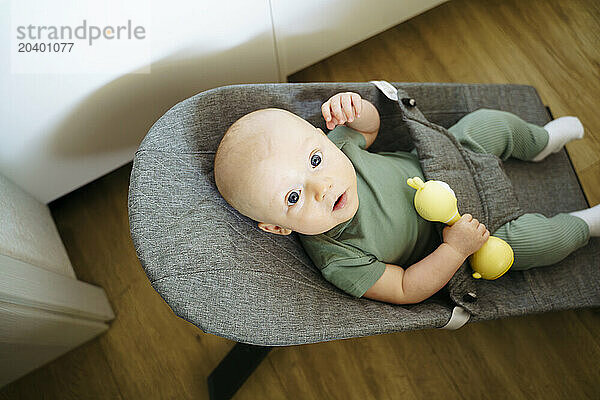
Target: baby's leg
{"type": "Point", "coordinates": [506, 135]}
{"type": "Point", "coordinates": [538, 241]}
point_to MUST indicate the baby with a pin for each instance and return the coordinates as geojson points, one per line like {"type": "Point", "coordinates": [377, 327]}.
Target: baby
{"type": "Point", "coordinates": [353, 210]}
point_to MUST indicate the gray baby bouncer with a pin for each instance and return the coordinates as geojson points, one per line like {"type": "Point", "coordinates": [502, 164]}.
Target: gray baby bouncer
{"type": "Point", "coordinates": [216, 269]}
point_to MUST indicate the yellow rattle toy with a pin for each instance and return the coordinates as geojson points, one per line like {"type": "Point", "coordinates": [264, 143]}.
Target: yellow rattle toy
{"type": "Point", "coordinates": [435, 201]}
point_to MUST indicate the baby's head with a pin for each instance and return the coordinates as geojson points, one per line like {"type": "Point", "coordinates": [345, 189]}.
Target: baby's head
{"type": "Point", "coordinates": [277, 169]}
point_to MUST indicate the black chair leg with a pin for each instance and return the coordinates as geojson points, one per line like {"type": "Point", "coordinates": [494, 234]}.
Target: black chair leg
{"type": "Point", "coordinates": [234, 369]}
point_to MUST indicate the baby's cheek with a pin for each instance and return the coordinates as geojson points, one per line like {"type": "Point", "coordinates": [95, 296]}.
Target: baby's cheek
{"type": "Point", "coordinates": [295, 219]}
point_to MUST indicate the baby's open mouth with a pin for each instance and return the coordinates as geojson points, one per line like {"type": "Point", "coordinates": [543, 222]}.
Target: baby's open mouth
{"type": "Point", "coordinates": [340, 202]}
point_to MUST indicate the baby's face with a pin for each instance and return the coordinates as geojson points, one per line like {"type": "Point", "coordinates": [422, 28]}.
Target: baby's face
{"type": "Point", "coordinates": [300, 179]}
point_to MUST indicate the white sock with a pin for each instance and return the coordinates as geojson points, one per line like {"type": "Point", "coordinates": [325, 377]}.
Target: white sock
{"type": "Point", "coordinates": [561, 131]}
{"type": "Point", "coordinates": [592, 217]}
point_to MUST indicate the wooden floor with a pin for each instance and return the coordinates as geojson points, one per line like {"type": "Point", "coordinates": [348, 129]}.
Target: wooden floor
{"type": "Point", "coordinates": [148, 353]}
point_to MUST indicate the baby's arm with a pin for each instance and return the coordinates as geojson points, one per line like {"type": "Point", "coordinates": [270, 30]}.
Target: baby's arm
{"type": "Point", "coordinates": [420, 280]}
{"type": "Point", "coordinates": [426, 277]}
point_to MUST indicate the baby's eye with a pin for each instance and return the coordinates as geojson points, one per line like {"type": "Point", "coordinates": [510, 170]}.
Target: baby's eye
{"type": "Point", "coordinates": [293, 197]}
{"type": "Point", "coordinates": [316, 158]}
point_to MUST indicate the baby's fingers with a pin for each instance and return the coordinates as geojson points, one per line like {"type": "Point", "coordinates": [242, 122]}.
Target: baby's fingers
{"type": "Point", "coordinates": [336, 109]}
{"type": "Point", "coordinates": [484, 231]}
{"type": "Point", "coordinates": [330, 120]}
{"type": "Point", "coordinates": [357, 102]}
{"type": "Point", "coordinates": [341, 108]}
{"type": "Point", "coordinates": [326, 112]}
{"type": "Point", "coordinates": [347, 106]}
{"type": "Point", "coordinates": [485, 236]}
{"type": "Point", "coordinates": [333, 123]}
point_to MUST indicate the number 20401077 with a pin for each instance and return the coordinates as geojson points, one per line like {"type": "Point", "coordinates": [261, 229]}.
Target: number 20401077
{"type": "Point", "coordinates": [57, 47]}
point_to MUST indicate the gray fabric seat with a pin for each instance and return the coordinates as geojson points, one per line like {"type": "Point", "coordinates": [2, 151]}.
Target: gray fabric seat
{"type": "Point", "coordinates": [217, 270]}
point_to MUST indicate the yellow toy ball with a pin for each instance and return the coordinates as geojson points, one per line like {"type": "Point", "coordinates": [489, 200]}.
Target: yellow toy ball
{"type": "Point", "coordinates": [436, 201]}
{"type": "Point", "coordinates": [492, 260]}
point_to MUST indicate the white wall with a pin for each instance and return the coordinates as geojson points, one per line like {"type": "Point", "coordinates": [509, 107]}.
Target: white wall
{"type": "Point", "coordinates": [64, 122]}
{"type": "Point", "coordinates": [59, 131]}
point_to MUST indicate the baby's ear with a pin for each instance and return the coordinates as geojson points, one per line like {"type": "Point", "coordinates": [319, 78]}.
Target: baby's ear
{"type": "Point", "coordinates": [270, 228]}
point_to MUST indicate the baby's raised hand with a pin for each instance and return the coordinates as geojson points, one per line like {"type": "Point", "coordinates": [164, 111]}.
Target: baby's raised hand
{"type": "Point", "coordinates": [341, 108]}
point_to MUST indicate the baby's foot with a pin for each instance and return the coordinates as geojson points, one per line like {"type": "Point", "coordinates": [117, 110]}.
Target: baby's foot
{"type": "Point", "coordinates": [592, 217]}
{"type": "Point", "coordinates": [560, 132]}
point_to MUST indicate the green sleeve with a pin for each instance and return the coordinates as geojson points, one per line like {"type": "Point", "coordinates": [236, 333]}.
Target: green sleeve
{"type": "Point", "coordinates": [354, 276]}
{"type": "Point", "coordinates": [342, 134]}
{"type": "Point", "coordinates": [345, 266]}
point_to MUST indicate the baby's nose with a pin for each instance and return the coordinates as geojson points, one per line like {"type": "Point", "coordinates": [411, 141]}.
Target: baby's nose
{"type": "Point", "coordinates": [321, 188]}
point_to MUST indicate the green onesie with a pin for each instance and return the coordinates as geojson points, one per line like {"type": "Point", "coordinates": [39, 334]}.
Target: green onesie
{"type": "Point", "coordinates": [385, 229]}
